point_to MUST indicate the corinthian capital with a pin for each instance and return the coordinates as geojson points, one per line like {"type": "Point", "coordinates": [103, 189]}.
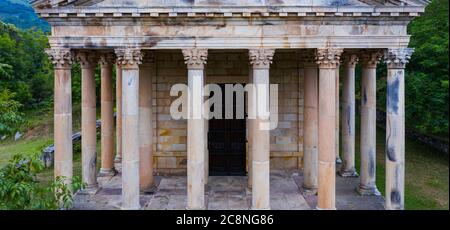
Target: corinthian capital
{"type": "Point", "coordinates": [261, 58]}
{"type": "Point", "coordinates": [60, 57]}
{"type": "Point", "coordinates": [195, 58]}
{"type": "Point", "coordinates": [328, 57]}
{"type": "Point", "coordinates": [370, 59]}
{"type": "Point", "coordinates": [397, 58]}
{"type": "Point", "coordinates": [107, 59]}
{"type": "Point", "coordinates": [87, 58]}
{"type": "Point", "coordinates": [350, 60]}
{"type": "Point", "coordinates": [129, 58]}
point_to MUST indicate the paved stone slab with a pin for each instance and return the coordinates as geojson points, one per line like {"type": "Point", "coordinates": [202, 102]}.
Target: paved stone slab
{"type": "Point", "coordinates": [228, 193]}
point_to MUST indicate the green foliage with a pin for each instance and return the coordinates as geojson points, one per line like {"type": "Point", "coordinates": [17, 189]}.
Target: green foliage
{"type": "Point", "coordinates": [25, 68]}
{"type": "Point", "coordinates": [426, 82]}
{"type": "Point", "coordinates": [10, 116]}
{"type": "Point", "coordinates": [20, 189]}
{"type": "Point", "coordinates": [20, 13]}
{"type": "Point", "coordinates": [427, 78]}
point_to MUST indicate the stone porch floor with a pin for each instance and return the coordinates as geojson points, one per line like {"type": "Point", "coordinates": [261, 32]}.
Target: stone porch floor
{"type": "Point", "coordinates": [228, 193]}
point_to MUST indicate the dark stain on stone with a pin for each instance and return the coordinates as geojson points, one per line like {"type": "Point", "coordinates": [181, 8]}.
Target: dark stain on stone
{"type": "Point", "coordinates": [338, 2]}
{"type": "Point", "coordinates": [356, 30]}
{"type": "Point", "coordinates": [396, 197]}
{"type": "Point", "coordinates": [220, 26]}
{"type": "Point", "coordinates": [349, 109]}
{"type": "Point", "coordinates": [150, 42]}
{"type": "Point", "coordinates": [278, 2]}
{"type": "Point", "coordinates": [392, 95]}
{"type": "Point", "coordinates": [130, 82]}
{"type": "Point", "coordinates": [103, 42]}
{"type": "Point", "coordinates": [391, 154]}
{"type": "Point", "coordinates": [190, 2]}
{"type": "Point", "coordinates": [88, 43]}
{"type": "Point", "coordinates": [364, 96]}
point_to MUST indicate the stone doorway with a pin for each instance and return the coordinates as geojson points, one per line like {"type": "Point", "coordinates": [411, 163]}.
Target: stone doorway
{"type": "Point", "coordinates": [227, 143]}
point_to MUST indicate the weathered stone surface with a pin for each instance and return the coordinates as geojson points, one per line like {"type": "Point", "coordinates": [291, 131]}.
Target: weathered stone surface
{"type": "Point", "coordinates": [228, 193]}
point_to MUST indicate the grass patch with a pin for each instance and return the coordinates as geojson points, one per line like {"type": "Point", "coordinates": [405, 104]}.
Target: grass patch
{"type": "Point", "coordinates": [23, 146]}
{"type": "Point", "coordinates": [426, 173]}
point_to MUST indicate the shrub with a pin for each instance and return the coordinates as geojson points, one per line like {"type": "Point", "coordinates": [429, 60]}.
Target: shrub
{"type": "Point", "coordinates": [20, 189]}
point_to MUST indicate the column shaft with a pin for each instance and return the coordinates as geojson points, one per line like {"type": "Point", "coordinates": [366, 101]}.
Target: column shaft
{"type": "Point", "coordinates": [63, 123]}
{"type": "Point", "coordinates": [327, 156]}
{"type": "Point", "coordinates": [146, 73]}
{"type": "Point", "coordinates": [310, 124]}
{"type": "Point", "coordinates": [336, 123]}
{"type": "Point", "coordinates": [348, 118]}
{"type": "Point", "coordinates": [367, 184]}
{"type": "Point", "coordinates": [88, 62]}
{"type": "Point", "coordinates": [250, 128]}
{"type": "Point", "coordinates": [196, 142]}
{"type": "Point", "coordinates": [118, 114]}
{"type": "Point", "coordinates": [261, 147]}
{"type": "Point", "coordinates": [107, 117]}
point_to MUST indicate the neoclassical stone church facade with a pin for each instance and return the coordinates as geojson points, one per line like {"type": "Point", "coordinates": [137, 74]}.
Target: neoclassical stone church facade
{"type": "Point", "coordinates": [300, 45]}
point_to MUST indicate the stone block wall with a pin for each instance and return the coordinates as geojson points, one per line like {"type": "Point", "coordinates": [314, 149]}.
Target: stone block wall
{"type": "Point", "coordinates": [170, 136]}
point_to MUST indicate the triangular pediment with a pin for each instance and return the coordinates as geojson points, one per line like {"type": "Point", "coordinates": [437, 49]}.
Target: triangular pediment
{"type": "Point", "coordinates": [216, 3]}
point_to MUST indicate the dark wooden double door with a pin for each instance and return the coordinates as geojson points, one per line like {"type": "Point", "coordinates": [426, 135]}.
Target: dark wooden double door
{"type": "Point", "coordinates": [227, 143]}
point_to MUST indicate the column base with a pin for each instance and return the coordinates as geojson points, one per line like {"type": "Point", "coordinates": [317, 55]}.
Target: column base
{"type": "Point", "coordinates": [368, 191]}
{"type": "Point", "coordinates": [90, 190]}
{"type": "Point", "coordinates": [199, 208]}
{"type": "Point", "coordinates": [253, 208]}
{"type": "Point", "coordinates": [149, 190]}
{"type": "Point", "coordinates": [248, 191]}
{"type": "Point", "coordinates": [107, 172]}
{"type": "Point", "coordinates": [308, 191]}
{"type": "Point", "coordinates": [330, 209]}
{"type": "Point", "coordinates": [118, 159]}
{"type": "Point", "coordinates": [348, 173]}
{"type": "Point", "coordinates": [130, 208]}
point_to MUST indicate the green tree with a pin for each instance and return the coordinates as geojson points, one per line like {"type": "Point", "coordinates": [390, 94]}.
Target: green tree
{"type": "Point", "coordinates": [10, 117]}
{"type": "Point", "coordinates": [426, 82]}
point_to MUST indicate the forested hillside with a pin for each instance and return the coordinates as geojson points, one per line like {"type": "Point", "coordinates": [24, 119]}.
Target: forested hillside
{"type": "Point", "coordinates": [20, 13]}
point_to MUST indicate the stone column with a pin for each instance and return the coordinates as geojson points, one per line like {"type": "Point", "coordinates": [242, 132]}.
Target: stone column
{"type": "Point", "coordinates": [88, 61]}
{"type": "Point", "coordinates": [195, 60]}
{"type": "Point", "coordinates": [206, 112]}
{"type": "Point", "coordinates": [310, 125]}
{"type": "Point", "coordinates": [146, 73]}
{"type": "Point", "coordinates": [396, 60]}
{"type": "Point", "coordinates": [206, 151]}
{"type": "Point", "coordinates": [367, 184]}
{"type": "Point", "coordinates": [130, 59]}
{"type": "Point", "coordinates": [336, 123]}
{"type": "Point", "coordinates": [250, 127]}
{"type": "Point", "coordinates": [107, 116]}
{"type": "Point", "coordinates": [327, 59]}
{"type": "Point", "coordinates": [62, 59]}
{"type": "Point", "coordinates": [260, 59]}
{"type": "Point", "coordinates": [118, 158]}
{"type": "Point", "coordinates": [348, 117]}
